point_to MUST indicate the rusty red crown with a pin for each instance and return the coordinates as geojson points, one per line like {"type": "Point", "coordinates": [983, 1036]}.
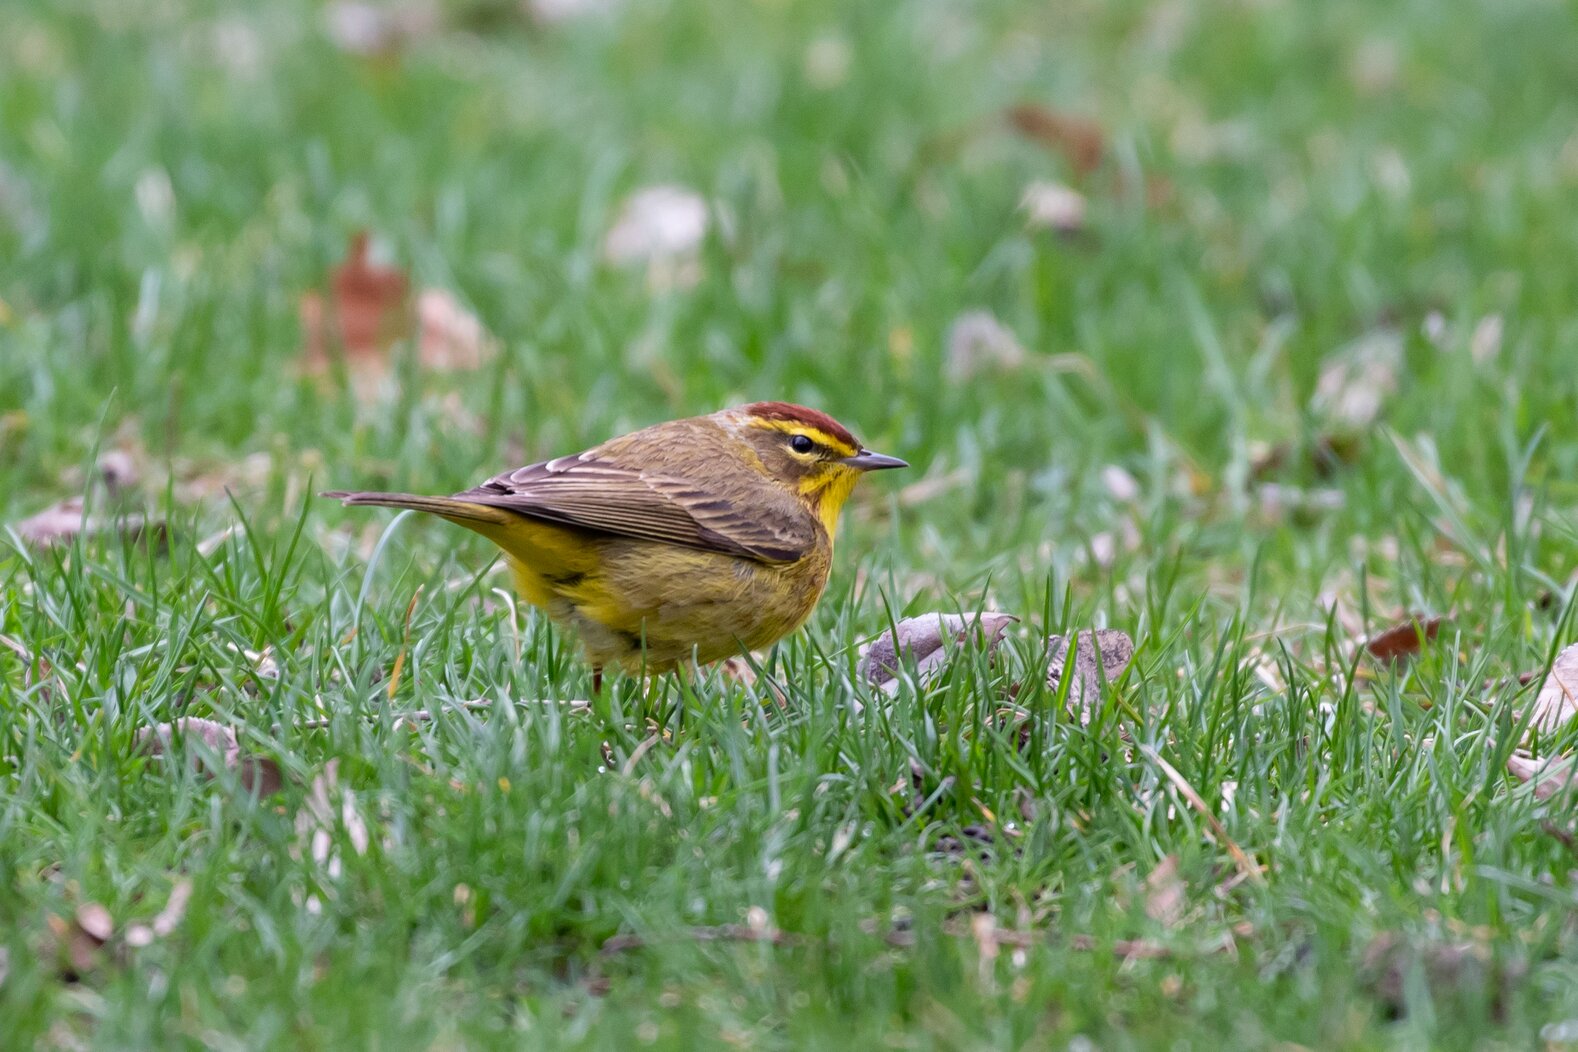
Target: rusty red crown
{"type": "Point", "coordinates": [801, 414]}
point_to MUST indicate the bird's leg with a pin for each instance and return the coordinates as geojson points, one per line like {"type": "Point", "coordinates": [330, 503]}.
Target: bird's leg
{"type": "Point", "coordinates": [597, 680]}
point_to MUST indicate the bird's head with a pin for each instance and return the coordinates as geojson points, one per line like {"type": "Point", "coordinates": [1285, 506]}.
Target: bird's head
{"type": "Point", "coordinates": [807, 452]}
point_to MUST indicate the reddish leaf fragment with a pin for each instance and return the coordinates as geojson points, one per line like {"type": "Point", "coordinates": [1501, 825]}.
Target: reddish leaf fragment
{"type": "Point", "coordinates": [1405, 639]}
{"type": "Point", "coordinates": [367, 310]}
{"type": "Point", "coordinates": [1079, 139]}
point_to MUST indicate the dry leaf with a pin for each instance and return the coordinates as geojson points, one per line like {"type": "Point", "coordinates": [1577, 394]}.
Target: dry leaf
{"type": "Point", "coordinates": [661, 227]}
{"type": "Point", "coordinates": [1325, 455]}
{"type": "Point", "coordinates": [1557, 701]}
{"type": "Point", "coordinates": [1391, 959]}
{"type": "Point", "coordinates": [1115, 649]}
{"type": "Point", "coordinates": [449, 336]}
{"type": "Point", "coordinates": [1550, 775]}
{"type": "Point", "coordinates": [258, 774]}
{"type": "Point", "coordinates": [1081, 140]}
{"type": "Point", "coordinates": [1165, 893]}
{"type": "Point", "coordinates": [328, 806]}
{"type": "Point", "coordinates": [827, 61]}
{"type": "Point", "coordinates": [62, 522]}
{"type": "Point", "coordinates": [978, 341]}
{"type": "Point", "coordinates": [1355, 382]}
{"type": "Point", "coordinates": [96, 921]}
{"type": "Point", "coordinates": [267, 666]}
{"type": "Point", "coordinates": [1373, 66]}
{"type": "Point", "coordinates": [1404, 639]}
{"type": "Point", "coordinates": [378, 30]}
{"type": "Point", "coordinates": [738, 670]}
{"type": "Point", "coordinates": [367, 310]}
{"type": "Point", "coordinates": [167, 919]}
{"type": "Point", "coordinates": [119, 471]}
{"type": "Point", "coordinates": [1485, 343]}
{"type": "Point", "coordinates": [925, 639]}
{"type": "Point", "coordinates": [1053, 206]}
{"type": "Point", "coordinates": [554, 12]}
{"type": "Point", "coordinates": [75, 950]}
{"type": "Point", "coordinates": [1275, 503]}
{"type": "Point", "coordinates": [1119, 484]}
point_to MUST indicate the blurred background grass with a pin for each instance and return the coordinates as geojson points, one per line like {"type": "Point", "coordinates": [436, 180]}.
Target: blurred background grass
{"type": "Point", "coordinates": [1281, 184]}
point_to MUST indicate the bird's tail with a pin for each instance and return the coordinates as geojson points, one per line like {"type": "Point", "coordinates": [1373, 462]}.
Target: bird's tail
{"type": "Point", "coordinates": [462, 512]}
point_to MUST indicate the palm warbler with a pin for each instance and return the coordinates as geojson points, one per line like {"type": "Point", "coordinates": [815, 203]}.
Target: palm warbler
{"type": "Point", "coordinates": [696, 538]}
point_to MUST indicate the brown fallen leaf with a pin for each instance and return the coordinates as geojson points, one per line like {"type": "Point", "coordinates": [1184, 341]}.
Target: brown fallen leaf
{"type": "Point", "coordinates": [63, 522]}
{"type": "Point", "coordinates": [374, 30]}
{"type": "Point", "coordinates": [925, 639]}
{"type": "Point", "coordinates": [449, 337]}
{"type": "Point", "coordinates": [1557, 701]}
{"type": "Point", "coordinates": [1079, 139]}
{"type": "Point", "coordinates": [1325, 455]}
{"type": "Point", "coordinates": [738, 670]}
{"type": "Point", "coordinates": [94, 919]}
{"type": "Point", "coordinates": [166, 920]}
{"type": "Point", "coordinates": [76, 951]}
{"type": "Point", "coordinates": [978, 342]}
{"type": "Point", "coordinates": [1104, 651]}
{"type": "Point", "coordinates": [1404, 639]}
{"type": "Point", "coordinates": [1445, 968]}
{"type": "Point", "coordinates": [1552, 775]}
{"type": "Point", "coordinates": [1355, 382]}
{"type": "Point", "coordinates": [662, 228]}
{"type": "Point", "coordinates": [258, 774]}
{"type": "Point", "coordinates": [328, 807]}
{"type": "Point", "coordinates": [1120, 484]}
{"type": "Point", "coordinates": [1053, 206]}
{"type": "Point", "coordinates": [1165, 893]}
{"type": "Point", "coordinates": [120, 471]}
{"type": "Point", "coordinates": [1276, 503]}
{"type": "Point", "coordinates": [1484, 344]}
{"type": "Point", "coordinates": [368, 308]}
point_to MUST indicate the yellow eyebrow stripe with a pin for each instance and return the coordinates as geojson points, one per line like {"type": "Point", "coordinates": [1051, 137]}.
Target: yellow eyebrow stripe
{"type": "Point", "coordinates": [794, 427]}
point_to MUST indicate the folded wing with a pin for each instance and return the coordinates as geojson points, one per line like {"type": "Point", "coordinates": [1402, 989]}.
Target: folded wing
{"type": "Point", "coordinates": [594, 492]}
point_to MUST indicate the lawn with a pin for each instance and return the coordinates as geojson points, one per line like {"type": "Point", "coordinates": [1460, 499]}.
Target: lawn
{"type": "Point", "coordinates": [1245, 328]}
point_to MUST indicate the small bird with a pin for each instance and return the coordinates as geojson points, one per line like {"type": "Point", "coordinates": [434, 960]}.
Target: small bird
{"type": "Point", "coordinates": [692, 539]}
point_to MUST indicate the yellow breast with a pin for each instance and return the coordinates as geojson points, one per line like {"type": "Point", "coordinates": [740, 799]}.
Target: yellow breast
{"type": "Point", "coordinates": [648, 604]}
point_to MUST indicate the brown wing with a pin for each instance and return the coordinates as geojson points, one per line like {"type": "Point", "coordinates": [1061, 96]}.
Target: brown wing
{"type": "Point", "coordinates": [595, 492]}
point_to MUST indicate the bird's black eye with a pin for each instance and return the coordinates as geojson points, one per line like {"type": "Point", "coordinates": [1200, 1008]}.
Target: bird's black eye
{"type": "Point", "coordinates": [801, 444]}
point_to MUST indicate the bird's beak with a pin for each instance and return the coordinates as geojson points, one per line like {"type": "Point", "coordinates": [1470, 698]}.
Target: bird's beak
{"type": "Point", "coordinates": [866, 460]}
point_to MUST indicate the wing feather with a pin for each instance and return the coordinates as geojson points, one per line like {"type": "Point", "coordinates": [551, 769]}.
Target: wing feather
{"type": "Point", "coordinates": [596, 492]}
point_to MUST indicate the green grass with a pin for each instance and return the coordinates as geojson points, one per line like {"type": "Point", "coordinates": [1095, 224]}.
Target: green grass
{"type": "Point", "coordinates": [174, 176]}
